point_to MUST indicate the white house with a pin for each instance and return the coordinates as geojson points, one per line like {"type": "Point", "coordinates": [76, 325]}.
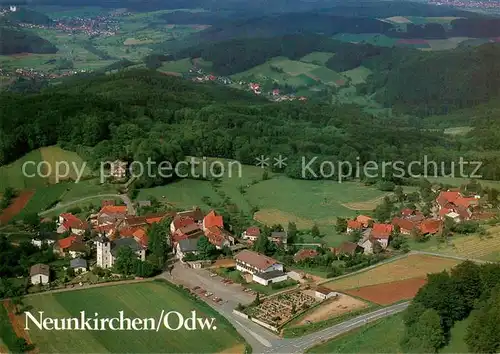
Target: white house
{"type": "Point", "coordinates": [454, 216]}
{"type": "Point", "coordinates": [38, 242]}
{"type": "Point", "coordinates": [186, 246]}
{"type": "Point", "coordinates": [39, 274]}
{"type": "Point", "coordinates": [253, 262]}
{"type": "Point", "coordinates": [108, 250]}
{"type": "Point", "coordinates": [252, 234]}
{"type": "Point", "coordinates": [78, 265]}
{"type": "Point", "coordinates": [271, 277]}
{"type": "Point", "coordinates": [324, 293]}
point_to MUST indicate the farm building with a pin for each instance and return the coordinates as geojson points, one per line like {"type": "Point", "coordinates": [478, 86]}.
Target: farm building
{"type": "Point", "coordinates": [78, 265]}
{"type": "Point", "coordinates": [354, 225]}
{"type": "Point", "coordinates": [271, 277]}
{"type": "Point", "coordinates": [253, 262]}
{"type": "Point", "coordinates": [279, 237]}
{"type": "Point", "coordinates": [324, 293]}
{"type": "Point", "coordinates": [364, 220]}
{"type": "Point", "coordinates": [40, 274]}
{"type": "Point", "coordinates": [70, 245]}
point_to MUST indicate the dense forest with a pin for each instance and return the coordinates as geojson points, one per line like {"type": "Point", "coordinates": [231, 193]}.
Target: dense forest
{"type": "Point", "coordinates": [468, 290]}
{"type": "Point", "coordinates": [139, 114]}
{"type": "Point", "coordinates": [14, 40]}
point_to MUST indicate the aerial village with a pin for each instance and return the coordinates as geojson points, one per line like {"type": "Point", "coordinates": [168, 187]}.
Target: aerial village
{"type": "Point", "coordinates": [198, 75]}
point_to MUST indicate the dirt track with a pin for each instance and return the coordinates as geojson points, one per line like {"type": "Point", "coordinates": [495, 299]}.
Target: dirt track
{"type": "Point", "coordinates": [16, 206]}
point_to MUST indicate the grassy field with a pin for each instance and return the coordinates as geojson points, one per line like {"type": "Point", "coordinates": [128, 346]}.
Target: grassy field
{"type": "Point", "coordinates": [317, 58]}
{"type": "Point", "coordinates": [12, 175]}
{"type": "Point", "coordinates": [178, 66]}
{"type": "Point", "coordinates": [358, 75]}
{"type": "Point", "coordinates": [279, 199]}
{"type": "Point", "coordinates": [370, 38]}
{"type": "Point", "coordinates": [412, 266]}
{"type": "Point", "coordinates": [473, 246]}
{"type": "Point", "coordinates": [142, 300]}
{"type": "Point", "coordinates": [382, 336]}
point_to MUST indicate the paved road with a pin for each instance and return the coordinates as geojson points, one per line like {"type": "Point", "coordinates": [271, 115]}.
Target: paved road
{"type": "Point", "coordinates": [123, 197]}
{"type": "Point", "coordinates": [262, 340]}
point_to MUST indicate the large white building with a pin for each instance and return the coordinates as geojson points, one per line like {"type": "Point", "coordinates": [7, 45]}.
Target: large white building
{"type": "Point", "coordinates": [265, 270]}
{"type": "Point", "coordinates": [108, 250]}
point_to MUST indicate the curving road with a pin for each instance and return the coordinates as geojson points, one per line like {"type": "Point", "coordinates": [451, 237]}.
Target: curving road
{"type": "Point", "coordinates": [125, 198]}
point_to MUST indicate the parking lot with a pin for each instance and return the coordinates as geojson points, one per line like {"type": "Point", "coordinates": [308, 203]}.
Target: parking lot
{"type": "Point", "coordinates": [206, 284]}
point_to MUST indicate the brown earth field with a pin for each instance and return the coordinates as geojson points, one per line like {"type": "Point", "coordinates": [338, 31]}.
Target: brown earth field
{"type": "Point", "coordinates": [16, 206]}
{"type": "Point", "coordinates": [332, 308]}
{"type": "Point", "coordinates": [389, 293]}
{"type": "Point", "coordinates": [17, 324]}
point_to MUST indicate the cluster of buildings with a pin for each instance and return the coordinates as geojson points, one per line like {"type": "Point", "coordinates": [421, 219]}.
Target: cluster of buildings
{"type": "Point", "coordinates": [468, 3]}
{"type": "Point", "coordinates": [34, 74]}
{"type": "Point", "coordinates": [187, 227]}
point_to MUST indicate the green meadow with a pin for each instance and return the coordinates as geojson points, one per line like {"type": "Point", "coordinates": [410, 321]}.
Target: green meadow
{"type": "Point", "coordinates": [140, 300]}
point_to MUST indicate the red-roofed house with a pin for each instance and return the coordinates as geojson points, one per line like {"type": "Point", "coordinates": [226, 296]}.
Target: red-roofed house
{"type": "Point", "coordinates": [141, 236]}
{"type": "Point", "coordinates": [62, 246]}
{"type": "Point", "coordinates": [407, 212]}
{"type": "Point", "coordinates": [381, 233]}
{"type": "Point", "coordinates": [185, 232]}
{"type": "Point", "coordinates": [353, 225]}
{"type": "Point", "coordinates": [405, 225]}
{"type": "Point", "coordinates": [252, 234]}
{"type": "Point", "coordinates": [430, 226]}
{"type": "Point", "coordinates": [69, 222]}
{"type": "Point", "coordinates": [304, 254]}
{"type": "Point", "coordinates": [217, 237]}
{"type": "Point", "coordinates": [451, 203]}
{"type": "Point", "coordinates": [211, 219]}
{"type": "Point", "coordinates": [349, 248]}
{"type": "Point", "coordinates": [364, 220]}
{"type": "Point", "coordinates": [179, 222]}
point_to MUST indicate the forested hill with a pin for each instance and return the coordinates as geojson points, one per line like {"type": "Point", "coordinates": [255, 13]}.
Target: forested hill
{"type": "Point", "coordinates": [426, 83]}
{"type": "Point", "coordinates": [140, 114]}
{"type": "Point", "coordinates": [15, 40]}
{"type": "Point", "coordinates": [23, 15]}
{"type": "Point", "coordinates": [234, 56]}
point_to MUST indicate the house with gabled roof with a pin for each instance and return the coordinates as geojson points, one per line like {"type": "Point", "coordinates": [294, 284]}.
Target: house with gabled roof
{"type": "Point", "coordinates": [347, 248]}
{"type": "Point", "coordinates": [219, 237]}
{"type": "Point", "coordinates": [253, 262]}
{"type": "Point", "coordinates": [40, 274]}
{"type": "Point", "coordinates": [252, 234]}
{"type": "Point", "coordinates": [381, 233]}
{"type": "Point", "coordinates": [364, 220]}
{"type": "Point", "coordinates": [71, 245]}
{"type": "Point", "coordinates": [212, 219]}
{"type": "Point", "coordinates": [305, 254]}
{"type": "Point", "coordinates": [354, 225]}
{"type": "Point", "coordinates": [69, 222]}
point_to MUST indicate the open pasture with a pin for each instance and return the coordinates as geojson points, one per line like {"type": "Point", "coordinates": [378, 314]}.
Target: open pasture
{"type": "Point", "coordinates": [357, 75]}
{"type": "Point", "coordinates": [485, 248]}
{"type": "Point", "coordinates": [317, 58]}
{"type": "Point", "coordinates": [140, 300]}
{"type": "Point", "coordinates": [412, 266]}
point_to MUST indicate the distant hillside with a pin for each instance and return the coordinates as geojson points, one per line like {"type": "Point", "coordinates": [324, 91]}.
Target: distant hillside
{"type": "Point", "coordinates": [428, 83]}
{"type": "Point", "coordinates": [14, 40]}
{"type": "Point", "coordinates": [234, 56]}
{"type": "Point", "coordinates": [29, 16]}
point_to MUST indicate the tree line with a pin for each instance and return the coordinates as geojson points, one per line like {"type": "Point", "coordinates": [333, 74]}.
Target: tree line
{"type": "Point", "coordinates": [467, 290]}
